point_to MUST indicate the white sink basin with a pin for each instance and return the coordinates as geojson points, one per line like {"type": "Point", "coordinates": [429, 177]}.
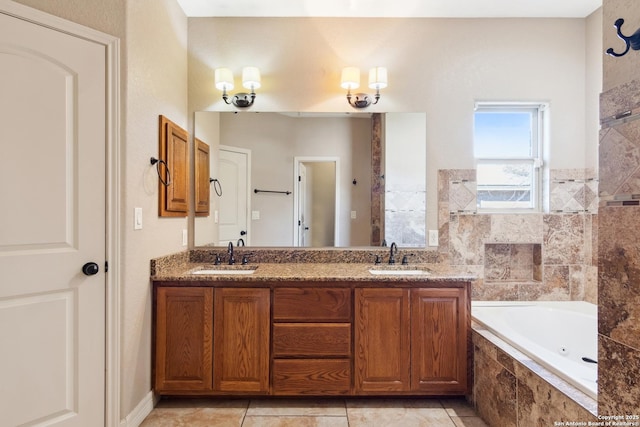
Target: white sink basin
{"type": "Point", "coordinates": [398, 272]}
{"type": "Point", "coordinates": [223, 270]}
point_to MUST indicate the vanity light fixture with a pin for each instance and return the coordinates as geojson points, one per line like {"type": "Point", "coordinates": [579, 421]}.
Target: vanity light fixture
{"type": "Point", "coordinates": [351, 80]}
{"type": "Point", "coordinates": [250, 80]}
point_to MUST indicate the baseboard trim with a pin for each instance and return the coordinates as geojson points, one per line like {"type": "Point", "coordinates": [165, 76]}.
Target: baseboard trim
{"type": "Point", "coordinates": [140, 412]}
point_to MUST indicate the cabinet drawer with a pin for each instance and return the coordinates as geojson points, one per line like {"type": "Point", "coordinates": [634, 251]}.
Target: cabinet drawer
{"type": "Point", "coordinates": [312, 304]}
{"type": "Point", "coordinates": [311, 339]}
{"type": "Point", "coordinates": [311, 377]}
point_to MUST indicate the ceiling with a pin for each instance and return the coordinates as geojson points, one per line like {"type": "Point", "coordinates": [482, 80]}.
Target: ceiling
{"type": "Point", "coordinates": [392, 8]}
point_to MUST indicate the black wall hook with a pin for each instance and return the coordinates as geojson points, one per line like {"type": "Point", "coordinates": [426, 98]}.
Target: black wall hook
{"type": "Point", "coordinates": [157, 162]}
{"type": "Point", "coordinates": [216, 186]}
{"type": "Point", "coordinates": [632, 41]}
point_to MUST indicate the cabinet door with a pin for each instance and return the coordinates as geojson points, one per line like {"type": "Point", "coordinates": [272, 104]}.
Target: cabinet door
{"type": "Point", "coordinates": [382, 352]}
{"type": "Point", "coordinates": [183, 339]}
{"type": "Point", "coordinates": [174, 151]}
{"type": "Point", "coordinates": [203, 186]}
{"type": "Point", "coordinates": [241, 338]}
{"type": "Point", "coordinates": [439, 332]}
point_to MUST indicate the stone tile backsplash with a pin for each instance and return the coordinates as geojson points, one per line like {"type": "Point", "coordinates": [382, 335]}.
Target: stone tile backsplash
{"type": "Point", "coordinates": [527, 256]}
{"type": "Point", "coordinates": [512, 262]}
{"type": "Point", "coordinates": [573, 191]}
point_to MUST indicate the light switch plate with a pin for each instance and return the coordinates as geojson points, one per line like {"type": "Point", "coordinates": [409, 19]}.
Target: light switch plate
{"type": "Point", "coordinates": [353, 214]}
{"type": "Point", "coordinates": [433, 237]}
{"type": "Point", "coordinates": [137, 219]}
{"type": "Point", "coordinates": [255, 214]}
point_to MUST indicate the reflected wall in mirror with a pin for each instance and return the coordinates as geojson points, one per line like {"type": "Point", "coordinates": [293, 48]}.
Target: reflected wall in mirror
{"type": "Point", "coordinates": [405, 179]}
{"type": "Point", "coordinates": [274, 141]}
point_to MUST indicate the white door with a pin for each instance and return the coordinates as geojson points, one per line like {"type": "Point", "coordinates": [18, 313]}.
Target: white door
{"type": "Point", "coordinates": [304, 210]}
{"type": "Point", "coordinates": [52, 222]}
{"type": "Point", "coordinates": [233, 172]}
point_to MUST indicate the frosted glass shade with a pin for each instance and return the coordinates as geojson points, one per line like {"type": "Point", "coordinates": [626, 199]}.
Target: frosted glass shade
{"type": "Point", "coordinates": [378, 78]}
{"type": "Point", "coordinates": [251, 77]}
{"type": "Point", "coordinates": [350, 78]}
{"type": "Point", "coordinates": [224, 79]}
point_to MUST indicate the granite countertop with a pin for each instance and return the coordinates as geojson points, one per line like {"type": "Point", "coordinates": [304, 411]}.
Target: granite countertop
{"type": "Point", "coordinates": [317, 272]}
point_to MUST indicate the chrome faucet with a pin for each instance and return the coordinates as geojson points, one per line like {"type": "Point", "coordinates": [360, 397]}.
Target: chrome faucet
{"type": "Point", "coordinates": [232, 259]}
{"type": "Point", "coordinates": [392, 253]}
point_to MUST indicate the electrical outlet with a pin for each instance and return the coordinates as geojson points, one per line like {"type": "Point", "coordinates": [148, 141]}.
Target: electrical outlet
{"type": "Point", "coordinates": [255, 215]}
{"type": "Point", "coordinates": [185, 237]}
{"type": "Point", "coordinates": [353, 214]}
{"type": "Point", "coordinates": [433, 237]}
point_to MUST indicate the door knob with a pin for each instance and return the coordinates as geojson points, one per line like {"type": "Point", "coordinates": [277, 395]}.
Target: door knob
{"type": "Point", "coordinates": [242, 232]}
{"type": "Point", "coordinates": [90, 268]}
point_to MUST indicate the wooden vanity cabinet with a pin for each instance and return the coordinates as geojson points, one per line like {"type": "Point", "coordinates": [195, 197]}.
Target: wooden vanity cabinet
{"type": "Point", "coordinates": [211, 341]}
{"type": "Point", "coordinates": [410, 341]}
{"type": "Point", "coordinates": [311, 345]}
{"type": "Point", "coordinates": [241, 340]}
{"type": "Point", "coordinates": [382, 347]}
{"type": "Point", "coordinates": [183, 339]}
{"type": "Point", "coordinates": [440, 333]}
{"type": "Point", "coordinates": [312, 339]}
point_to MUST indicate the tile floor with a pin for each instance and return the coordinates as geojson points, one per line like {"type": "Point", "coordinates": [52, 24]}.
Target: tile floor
{"type": "Point", "coordinates": [450, 412]}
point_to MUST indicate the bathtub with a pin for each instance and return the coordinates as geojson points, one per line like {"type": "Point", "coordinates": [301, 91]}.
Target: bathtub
{"type": "Point", "coordinates": [560, 336]}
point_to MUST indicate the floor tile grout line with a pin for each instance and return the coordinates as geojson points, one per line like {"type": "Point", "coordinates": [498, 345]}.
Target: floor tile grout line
{"type": "Point", "coordinates": [246, 409]}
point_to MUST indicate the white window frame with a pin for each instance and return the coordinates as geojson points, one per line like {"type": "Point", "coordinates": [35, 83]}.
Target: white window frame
{"type": "Point", "coordinates": [540, 111]}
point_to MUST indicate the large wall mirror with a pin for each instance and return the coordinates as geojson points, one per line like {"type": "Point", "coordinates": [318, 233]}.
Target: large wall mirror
{"type": "Point", "coordinates": [314, 179]}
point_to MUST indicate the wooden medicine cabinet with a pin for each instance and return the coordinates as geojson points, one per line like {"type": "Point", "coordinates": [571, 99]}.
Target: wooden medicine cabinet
{"type": "Point", "coordinates": [174, 152]}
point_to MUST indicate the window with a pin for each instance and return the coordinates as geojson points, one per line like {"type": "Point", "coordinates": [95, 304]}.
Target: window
{"type": "Point", "coordinates": [507, 147]}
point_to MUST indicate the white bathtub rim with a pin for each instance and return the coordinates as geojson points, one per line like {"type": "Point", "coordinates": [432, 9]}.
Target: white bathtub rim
{"type": "Point", "coordinates": [580, 306]}
{"type": "Point", "coordinates": [532, 351]}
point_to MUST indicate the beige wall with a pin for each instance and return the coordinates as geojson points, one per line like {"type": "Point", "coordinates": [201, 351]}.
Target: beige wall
{"type": "Point", "coordinates": [153, 81]}
{"type": "Point", "coordinates": [156, 84]}
{"type": "Point", "coordinates": [207, 129]}
{"type": "Point", "coordinates": [593, 79]}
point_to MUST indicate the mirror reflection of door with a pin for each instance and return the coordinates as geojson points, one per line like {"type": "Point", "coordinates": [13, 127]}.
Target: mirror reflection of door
{"type": "Point", "coordinates": [316, 201]}
{"type": "Point", "coordinates": [234, 166]}
{"type": "Point", "coordinates": [303, 207]}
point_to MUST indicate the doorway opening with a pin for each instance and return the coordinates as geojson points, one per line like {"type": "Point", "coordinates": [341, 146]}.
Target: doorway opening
{"type": "Point", "coordinates": [316, 199]}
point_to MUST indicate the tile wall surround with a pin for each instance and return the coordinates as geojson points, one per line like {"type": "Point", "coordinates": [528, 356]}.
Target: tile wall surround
{"type": "Point", "coordinates": [619, 253]}
{"type": "Point", "coordinates": [531, 256]}
{"type": "Point", "coordinates": [404, 217]}
{"type": "Point", "coordinates": [512, 390]}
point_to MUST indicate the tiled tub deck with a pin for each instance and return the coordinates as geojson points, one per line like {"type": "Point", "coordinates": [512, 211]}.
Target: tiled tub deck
{"type": "Point", "coordinates": [510, 389]}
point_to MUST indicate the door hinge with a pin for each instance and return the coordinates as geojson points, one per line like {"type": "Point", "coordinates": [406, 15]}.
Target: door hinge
{"type": "Point", "coordinates": [299, 223]}
{"type": "Point", "coordinates": [299, 178]}
{"type": "Point", "coordinates": [106, 266]}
